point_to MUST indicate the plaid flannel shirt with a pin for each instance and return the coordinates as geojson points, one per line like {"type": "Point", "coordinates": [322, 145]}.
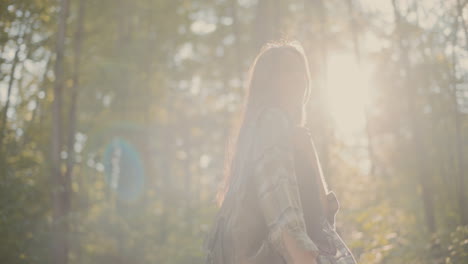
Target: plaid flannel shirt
{"type": "Point", "coordinates": [278, 192]}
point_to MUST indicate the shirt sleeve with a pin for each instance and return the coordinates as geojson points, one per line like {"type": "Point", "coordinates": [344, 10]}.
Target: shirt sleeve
{"type": "Point", "coordinates": [276, 182]}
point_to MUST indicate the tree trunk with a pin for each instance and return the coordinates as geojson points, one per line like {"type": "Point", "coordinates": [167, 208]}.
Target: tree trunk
{"type": "Point", "coordinates": [460, 7]}
{"type": "Point", "coordinates": [74, 91]}
{"type": "Point", "coordinates": [73, 102]}
{"type": "Point", "coordinates": [237, 35]}
{"type": "Point", "coordinates": [462, 204]}
{"type": "Point", "coordinates": [60, 190]}
{"type": "Point", "coordinates": [420, 167]}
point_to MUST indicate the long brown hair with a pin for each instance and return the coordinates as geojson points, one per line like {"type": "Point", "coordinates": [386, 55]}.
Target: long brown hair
{"type": "Point", "coordinates": [264, 87]}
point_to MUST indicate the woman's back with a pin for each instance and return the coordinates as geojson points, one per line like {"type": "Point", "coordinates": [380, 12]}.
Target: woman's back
{"type": "Point", "coordinates": [270, 201]}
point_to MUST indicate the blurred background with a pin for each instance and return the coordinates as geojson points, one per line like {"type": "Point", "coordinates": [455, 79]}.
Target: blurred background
{"type": "Point", "coordinates": [114, 118]}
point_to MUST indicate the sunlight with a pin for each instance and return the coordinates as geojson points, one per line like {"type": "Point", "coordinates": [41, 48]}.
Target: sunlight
{"type": "Point", "coordinates": [347, 93]}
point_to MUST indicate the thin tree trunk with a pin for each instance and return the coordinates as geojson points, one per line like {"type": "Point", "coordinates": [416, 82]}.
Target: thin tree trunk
{"type": "Point", "coordinates": [237, 35]}
{"type": "Point", "coordinates": [166, 169]}
{"type": "Point", "coordinates": [73, 102]}
{"type": "Point", "coordinates": [460, 7]}
{"type": "Point", "coordinates": [60, 192]}
{"type": "Point", "coordinates": [420, 167]}
{"type": "Point", "coordinates": [462, 203]}
{"type": "Point", "coordinates": [74, 92]}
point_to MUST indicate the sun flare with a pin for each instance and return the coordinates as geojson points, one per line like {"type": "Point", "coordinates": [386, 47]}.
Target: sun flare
{"type": "Point", "coordinates": [347, 93]}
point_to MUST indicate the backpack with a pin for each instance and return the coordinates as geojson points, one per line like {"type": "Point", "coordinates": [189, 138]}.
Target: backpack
{"type": "Point", "coordinates": [238, 234]}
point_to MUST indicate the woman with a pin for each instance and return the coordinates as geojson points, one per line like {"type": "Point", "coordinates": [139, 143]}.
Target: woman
{"type": "Point", "coordinates": [275, 204]}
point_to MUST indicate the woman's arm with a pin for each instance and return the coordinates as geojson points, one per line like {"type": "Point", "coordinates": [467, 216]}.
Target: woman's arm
{"type": "Point", "coordinates": [277, 188]}
{"type": "Point", "coordinates": [297, 253]}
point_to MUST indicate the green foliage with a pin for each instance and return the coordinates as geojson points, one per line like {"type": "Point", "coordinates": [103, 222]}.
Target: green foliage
{"type": "Point", "coordinates": [451, 246]}
{"type": "Point", "coordinates": [167, 76]}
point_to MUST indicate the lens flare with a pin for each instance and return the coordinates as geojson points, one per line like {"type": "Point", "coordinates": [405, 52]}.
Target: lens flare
{"type": "Point", "coordinates": [124, 170]}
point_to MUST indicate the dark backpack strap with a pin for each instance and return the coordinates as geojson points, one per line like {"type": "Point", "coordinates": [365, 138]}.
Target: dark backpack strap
{"type": "Point", "coordinates": [308, 174]}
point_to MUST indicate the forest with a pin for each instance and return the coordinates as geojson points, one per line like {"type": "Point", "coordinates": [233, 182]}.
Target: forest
{"type": "Point", "coordinates": [115, 116]}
